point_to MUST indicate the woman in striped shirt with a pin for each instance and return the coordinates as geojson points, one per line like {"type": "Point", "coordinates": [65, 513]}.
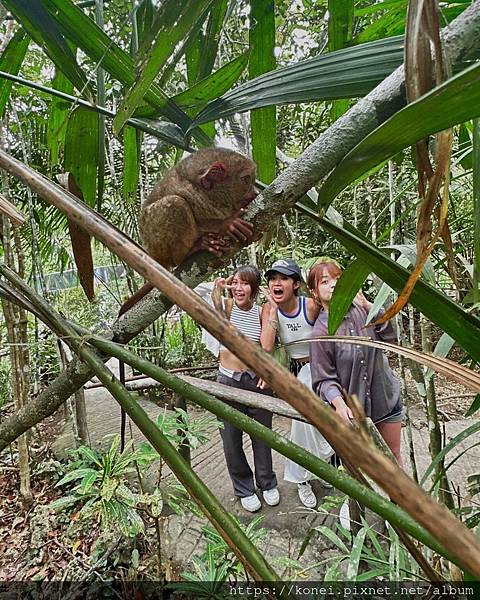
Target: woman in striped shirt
{"type": "Point", "coordinates": [243, 287]}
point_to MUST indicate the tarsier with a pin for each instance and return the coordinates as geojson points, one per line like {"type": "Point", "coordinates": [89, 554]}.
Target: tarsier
{"type": "Point", "coordinates": [197, 206]}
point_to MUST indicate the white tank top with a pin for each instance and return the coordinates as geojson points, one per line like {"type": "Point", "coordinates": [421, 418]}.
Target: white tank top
{"type": "Point", "coordinates": [296, 327]}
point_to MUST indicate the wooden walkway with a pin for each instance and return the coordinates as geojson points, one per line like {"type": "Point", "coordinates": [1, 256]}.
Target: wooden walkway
{"type": "Point", "coordinates": [289, 522]}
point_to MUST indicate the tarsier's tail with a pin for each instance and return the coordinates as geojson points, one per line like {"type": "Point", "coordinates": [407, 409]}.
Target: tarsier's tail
{"type": "Point", "coordinates": [137, 296]}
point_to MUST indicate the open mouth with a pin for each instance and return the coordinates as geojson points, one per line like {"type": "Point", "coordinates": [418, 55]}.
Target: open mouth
{"type": "Point", "coordinates": [277, 292]}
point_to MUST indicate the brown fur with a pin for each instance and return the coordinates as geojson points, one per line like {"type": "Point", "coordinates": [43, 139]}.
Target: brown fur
{"type": "Point", "coordinates": [196, 206]}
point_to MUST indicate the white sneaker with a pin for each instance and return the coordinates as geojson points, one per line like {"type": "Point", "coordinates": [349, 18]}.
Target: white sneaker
{"type": "Point", "coordinates": [271, 497]}
{"type": "Point", "coordinates": [306, 495]}
{"type": "Point", "coordinates": [251, 503]}
{"type": "Point", "coordinates": [345, 515]}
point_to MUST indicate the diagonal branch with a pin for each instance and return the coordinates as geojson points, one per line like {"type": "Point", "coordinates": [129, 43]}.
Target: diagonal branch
{"type": "Point", "coordinates": [456, 538]}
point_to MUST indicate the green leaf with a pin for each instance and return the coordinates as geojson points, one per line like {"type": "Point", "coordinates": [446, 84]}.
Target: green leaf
{"type": "Point", "coordinates": [64, 502]}
{"type": "Point", "coordinates": [90, 455]}
{"type": "Point", "coordinates": [46, 33]}
{"type": "Point", "coordinates": [214, 85]}
{"type": "Point", "coordinates": [58, 117]}
{"type": "Point", "coordinates": [81, 151]}
{"type": "Point", "coordinates": [211, 38]}
{"type": "Point", "coordinates": [156, 505]}
{"type": "Point", "coordinates": [173, 20]}
{"type": "Point", "coordinates": [474, 406]}
{"type": "Point", "coordinates": [88, 482]}
{"type": "Point", "coordinates": [384, 292]}
{"type": "Point", "coordinates": [263, 121]}
{"type": "Point", "coordinates": [463, 435]}
{"type": "Point", "coordinates": [442, 348]}
{"type": "Point", "coordinates": [340, 27]}
{"type": "Point", "coordinates": [135, 558]}
{"type": "Point", "coordinates": [163, 130]}
{"type": "Point", "coordinates": [11, 61]}
{"type": "Point", "coordinates": [347, 73]}
{"type": "Point", "coordinates": [131, 164]}
{"type": "Point", "coordinates": [463, 326]}
{"type": "Point", "coordinates": [355, 554]}
{"type": "Point", "coordinates": [76, 474]}
{"type": "Point", "coordinates": [410, 252]}
{"type": "Point", "coordinates": [345, 291]}
{"type": "Point", "coordinates": [414, 122]}
{"type": "Point", "coordinates": [333, 537]}
{"type": "Point", "coordinates": [100, 48]}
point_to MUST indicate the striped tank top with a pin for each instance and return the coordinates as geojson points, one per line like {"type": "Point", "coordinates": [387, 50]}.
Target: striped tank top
{"type": "Point", "coordinates": [247, 322]}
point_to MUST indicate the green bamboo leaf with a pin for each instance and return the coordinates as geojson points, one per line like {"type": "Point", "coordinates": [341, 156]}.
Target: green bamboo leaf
{"type": "Point", "coordinates": [458, 439]}
{"type": "Point", "coordinates": [214, 85]}
{"type": "Point", "coordinates": [347, 73]}
{"type": "Point", "coordinates": [100, 48]}
{"type": "Point", "coordinates": [392, 22]}
{"type": "Point", "coordinates": [384, 292]}
{"type": "Point", "coordinates": [58, 117]}
{"type": "Point", "coordinates": [409, 251]}
{"type": "Point", "coordinates": [45, 32]}
{"type": "Point", "coordinates": [414, 122]}
{"type": "Point", "coordinates": [463, 326]}
{"type": "Point", "coordinates": [11, 61]}
{"type": "Point", "coordinates": [263, 121]}
{"type": "Point", "coordinates": [173, 21]}
{"type": "Point", "coordinates": [163, 130]}
{"type": "Point", "coordinates": [333, 537]}
{"type": "Point", "coordinates": [340, 27]}
{"type": "Point", "coordinates": [355, 554]}
{"type": "Point", "coordinates": [211, 38]}
{"type": "Point", "coordinates": [101, 100]}
{"type": "Point", "coordinates": [476, 210]}
{"type": "Point", "coordinates": [442, 348]}
{"type": "Point", "coordinates": [345, 291]}
{"type": "Point", "coordinates": [81, 151]}
{"type": "Point", "coordinates": [144, 15]}
{"type": "Point", "coordinates": [131, 164]}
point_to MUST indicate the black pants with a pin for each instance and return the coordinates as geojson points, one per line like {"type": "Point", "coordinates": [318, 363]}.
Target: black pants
{"type": "Point", "coordinates": [232, 437]}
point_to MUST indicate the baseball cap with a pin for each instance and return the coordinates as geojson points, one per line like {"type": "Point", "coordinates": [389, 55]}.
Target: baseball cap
{"type": "Point", "coordinates": [286, 267]}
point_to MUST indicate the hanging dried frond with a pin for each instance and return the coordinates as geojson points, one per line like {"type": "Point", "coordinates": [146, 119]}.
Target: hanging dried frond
{"type": "Point", "coordinates": [425, 69]}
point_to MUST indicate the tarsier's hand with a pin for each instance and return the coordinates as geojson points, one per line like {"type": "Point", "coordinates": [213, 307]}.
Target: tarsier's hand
{"type": "Point", "coordinates": [237, 228]}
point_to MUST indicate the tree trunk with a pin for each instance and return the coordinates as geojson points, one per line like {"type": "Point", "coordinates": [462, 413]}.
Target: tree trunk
{"type": "Point", "coordinates": [16, 321]}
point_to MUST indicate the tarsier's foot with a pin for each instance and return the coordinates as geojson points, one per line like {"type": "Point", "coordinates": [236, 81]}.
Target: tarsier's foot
{"type": "Point", "coordinates": [212, 243]}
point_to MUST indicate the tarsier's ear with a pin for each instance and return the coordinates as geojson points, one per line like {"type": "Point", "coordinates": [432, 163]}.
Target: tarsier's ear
{"type": "Point", "coordinates": [216, 172]}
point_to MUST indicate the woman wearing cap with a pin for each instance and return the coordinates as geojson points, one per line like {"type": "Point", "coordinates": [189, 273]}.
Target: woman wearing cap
{"type": "Point", "coordinates": [292, 317]}
{"type": "Point", "coordinates": [358, 370]}
{"type": "Point", "coordinates": [243, 286]}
